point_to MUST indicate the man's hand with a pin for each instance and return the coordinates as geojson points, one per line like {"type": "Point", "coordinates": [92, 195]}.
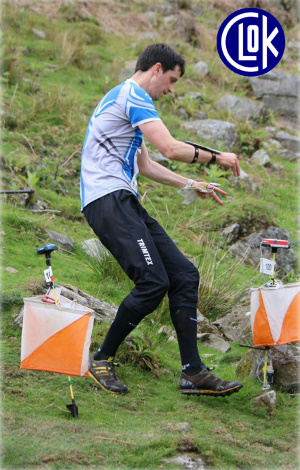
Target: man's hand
{"type": "Point", "coordinates": [214, 190]}
{"type": "Point", "coordinates": [229, 160]}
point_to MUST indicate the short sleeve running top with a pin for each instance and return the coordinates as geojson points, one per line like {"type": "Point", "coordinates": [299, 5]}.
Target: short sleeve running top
{"type": "Point", "coordinates": [113, 138]}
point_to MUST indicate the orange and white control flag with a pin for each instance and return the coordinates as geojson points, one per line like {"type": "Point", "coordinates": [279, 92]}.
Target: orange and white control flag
{"type": "Point", "coordinates": [275, 315]}
{"type": "Point", "coordinates": [56, 338]}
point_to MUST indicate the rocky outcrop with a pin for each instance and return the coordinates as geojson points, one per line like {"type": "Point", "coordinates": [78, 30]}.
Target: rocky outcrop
{"type": "Point", "coordinates": [245, 182]}
{"type": "Point", "coordinates": [214, 131]}
{"type": "Point", "coordinates": [290, 142]}
{"type": "Point", "coordinates": [286, 360]}
{"type": "Point", "coordinates": [182, 25]}
{"type": "Point", "coordinates": [201, 68]}
{"type": "Point", "coordinates": [236, 326]}
{"type": "Point", "coordinates": [64, 241]}
{"type": "Point", "coordinates": [231, 233]}
{"type": "Point", "coordinates": [248, 250]}
{"type": "Point", "coordinates": [242, 108]}
{"type": "Point", "coordinates": [214, 342]}
{"type": "Point", "coordinates": [279, 91]}
{"type": "Point", "coordinates": [261, 158]}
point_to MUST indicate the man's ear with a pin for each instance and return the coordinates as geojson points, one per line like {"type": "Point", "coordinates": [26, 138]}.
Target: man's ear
{"type": "Point", "coordinates": [157, 68]}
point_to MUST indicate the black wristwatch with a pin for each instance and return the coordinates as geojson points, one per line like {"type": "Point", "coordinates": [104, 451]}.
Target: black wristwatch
{"type": "Point", "coordinates": [213, 159]}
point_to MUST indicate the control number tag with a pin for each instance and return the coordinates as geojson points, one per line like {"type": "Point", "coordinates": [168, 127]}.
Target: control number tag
{"type": "Point", "coordinates": [48, 274]}
{"type": "Point", "coordinates": [267, 266]}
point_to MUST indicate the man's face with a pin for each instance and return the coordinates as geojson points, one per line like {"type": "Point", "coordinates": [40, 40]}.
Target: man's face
{"type": "Point", "coordinates": [164, 82]}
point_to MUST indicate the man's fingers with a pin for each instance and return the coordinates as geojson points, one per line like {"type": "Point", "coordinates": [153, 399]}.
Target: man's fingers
{"type": "Point", "coordinates": [216, 198]}
{"type": "Point", "coordinates": [220, 191]}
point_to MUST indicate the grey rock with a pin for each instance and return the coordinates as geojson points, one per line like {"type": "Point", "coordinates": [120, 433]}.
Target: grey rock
{"type": "Point", "coordinates": [286, 361]}
{"type": "Point", "coordinates": [261, 158]}
{"type": "Point", "coordinates": [168, 331]}
{"type": "Point", "coordinates": [200, 115]}
{"type": "Point", "coordinates": [9, 120]}
{"type": "Point", "coordinates": [279, 91]}
{"type": "Point", "coordinates": [93, 247]}
{"type": "Point", "coordinates": [34, 204]}
{"type": "Point", "coordinates": [205, 326]}
{"type": "Point", "coordinates": [39, 34]}
{"type": "Point", "coordinates": [104, 312]}
{"type": "Point", "coordinates": [11, 270]}
{"type": "Point", "coordinates": [66, 242]}
{"type": "Point", "coordinates": [288, 141]}
{"type": "Point", "coordinates": [236, 326]}
{"type": "Point", "coordinates": [231, 233]}
{"type": "Point", "coordinates": [159, 158]}
{"type": "Point", "coordinates": [201, 68]}
{"type": "Point", "coordinates": [267, 399]}
{"type": "Point", "coordinates": [217, 132]}
{"type": "Point", "coordinates": [172, 339]}
{"type": "Point", "coordinates": [244, 181]}
{"type": "Point", "coordinates": [287, 155]}
{"type": "Point", "coordinates": [271, 131]}
{"type": "Point", "coordinates": [186, 461]}
{"type": "Point", "coordinates": [182, 25]}
{"type": "Point", "coordinates": [242, 108]}
{"type": "Point", "coordinates": [19, 319]}
{"type": "Point", "coordinates": [274, 143]}
{"type": "Point", "coordinates": [248, 250]}
{"type": "Point", "coordinates": [182, 114]}
{"type": "Point", "coordinates": [165, 330]}
{"type": "Point", "coordinates": [294, 46]}
{"type": "Point", "coordinates": [183, 427]}
{"type": "Point", "coordinates": [213, 341]}
{"type": "Point", "coordinates": [275, 168]}
{"type": "Point", "coordinates": [196, 96]}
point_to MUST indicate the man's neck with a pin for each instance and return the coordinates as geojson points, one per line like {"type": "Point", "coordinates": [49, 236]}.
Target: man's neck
{"type": "Point", "coordinates": [143, 79]}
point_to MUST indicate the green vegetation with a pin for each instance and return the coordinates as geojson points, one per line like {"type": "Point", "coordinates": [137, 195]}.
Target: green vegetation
{"type": "Point", "coordinates": [49, 89]}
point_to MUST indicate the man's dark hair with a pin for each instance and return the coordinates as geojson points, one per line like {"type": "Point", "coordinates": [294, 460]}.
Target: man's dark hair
{"type": "Point", "coordinates": [160, 53]}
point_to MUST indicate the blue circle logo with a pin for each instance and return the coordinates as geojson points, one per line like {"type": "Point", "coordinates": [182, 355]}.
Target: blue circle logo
{"type": "Point", "coordinates": [250, 42]}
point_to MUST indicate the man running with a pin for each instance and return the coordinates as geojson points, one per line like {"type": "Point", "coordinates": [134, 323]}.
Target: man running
{"type": "Point", "coordinates": [114, 152]}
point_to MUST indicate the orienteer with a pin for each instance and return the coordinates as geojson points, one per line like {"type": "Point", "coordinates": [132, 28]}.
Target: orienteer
{"type": "Point", "coordinates": [113, 154]}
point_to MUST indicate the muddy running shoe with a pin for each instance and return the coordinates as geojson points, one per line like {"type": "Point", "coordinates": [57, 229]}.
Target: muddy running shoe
{"type": "Point", "coordinates": [206, 383]}
{"type": "Point", "coordinates": [103, 372]}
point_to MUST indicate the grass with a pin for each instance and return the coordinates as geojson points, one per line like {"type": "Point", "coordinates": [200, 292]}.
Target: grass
{"type": "Point", "coordinates": [138, 430]}
{"type": "Point", "coordinates": [44, 124]}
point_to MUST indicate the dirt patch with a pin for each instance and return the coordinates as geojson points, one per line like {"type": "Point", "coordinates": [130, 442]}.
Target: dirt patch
{"type": "Point", "coordinates": [112, 16]}
{"type": "Point", "coordinates": [187, 444]}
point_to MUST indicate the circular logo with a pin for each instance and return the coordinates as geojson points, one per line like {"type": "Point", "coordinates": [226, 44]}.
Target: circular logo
{"type": "Point", "coordinates": [250, 42]}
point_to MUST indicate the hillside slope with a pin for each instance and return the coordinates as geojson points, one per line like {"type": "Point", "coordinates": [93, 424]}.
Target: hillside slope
{"type": "Point", "coordinates": [58, 59]}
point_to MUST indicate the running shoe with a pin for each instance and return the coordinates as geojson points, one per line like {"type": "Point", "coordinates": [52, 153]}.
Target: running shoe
{"type": "Point", "coordinates": [206, 383]}
{"type": "Point", "coordinates": [103, 372]}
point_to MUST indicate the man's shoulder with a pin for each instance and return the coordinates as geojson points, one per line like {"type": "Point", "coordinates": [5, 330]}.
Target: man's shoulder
{"type": "Point", "coordinates": [136, 93]}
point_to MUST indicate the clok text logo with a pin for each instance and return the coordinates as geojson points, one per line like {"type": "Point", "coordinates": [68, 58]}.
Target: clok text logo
{"type": "Point", "coordinates": [251, 42]}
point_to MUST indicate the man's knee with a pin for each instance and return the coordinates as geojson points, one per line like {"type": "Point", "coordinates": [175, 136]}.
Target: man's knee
{"type": "Point", "coordinates": [147, 295]}
{"type": "Point", "coordinates": [156, 291]}
{"type": "Point", "coordinates": [184, 287]}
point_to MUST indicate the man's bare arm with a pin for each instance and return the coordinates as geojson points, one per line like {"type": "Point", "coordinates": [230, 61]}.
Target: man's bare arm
{"type": "Point", "coordinates": [157, 172]}
{"type": "Point", "coordinates": [158, 134]}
